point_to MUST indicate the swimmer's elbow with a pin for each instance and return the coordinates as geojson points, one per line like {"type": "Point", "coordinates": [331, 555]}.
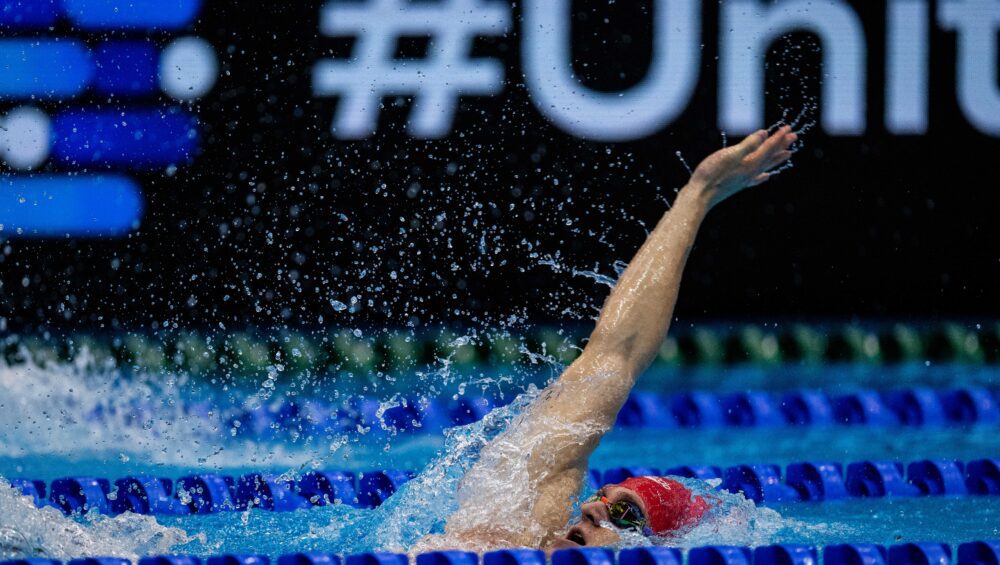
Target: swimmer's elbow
{"type": "Point", "coordinates": [602, 361]}
{"type": "Point", "coordinates": [618, 352]}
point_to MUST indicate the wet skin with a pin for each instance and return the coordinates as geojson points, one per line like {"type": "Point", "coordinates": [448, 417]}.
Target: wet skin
{"type": "Point", "coordinates": [588, 531]}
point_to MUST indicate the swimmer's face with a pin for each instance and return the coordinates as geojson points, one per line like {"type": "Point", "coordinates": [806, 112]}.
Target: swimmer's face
{"type": "Point", "coordinates": [594, 527]}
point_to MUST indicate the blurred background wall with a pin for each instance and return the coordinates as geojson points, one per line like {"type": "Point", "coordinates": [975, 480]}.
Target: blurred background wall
{"type": "Point", "coordinates": [364, 163]}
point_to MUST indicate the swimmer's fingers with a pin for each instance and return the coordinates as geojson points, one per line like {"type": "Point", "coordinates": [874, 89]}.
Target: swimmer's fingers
{"type": "Point", "coordinates": [779, 141]}
{"type": "Point", "coordinates": [752, 143]}
{"type": "Point", "coordinates": [778, 158]}
{"type": "Point", "coordinates": [759, 179]}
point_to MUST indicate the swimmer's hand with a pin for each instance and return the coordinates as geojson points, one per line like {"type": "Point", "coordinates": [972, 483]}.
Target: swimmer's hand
{"type": "Point", "coordinates": [730, 170]}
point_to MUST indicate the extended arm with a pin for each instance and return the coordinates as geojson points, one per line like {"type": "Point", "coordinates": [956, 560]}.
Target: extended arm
{"type": "Point", "coordinates": [634, 321]}
{"type": "Point", "coordinates": [635, 318]}
{"type": "Point", "coordinates": [561, 429]}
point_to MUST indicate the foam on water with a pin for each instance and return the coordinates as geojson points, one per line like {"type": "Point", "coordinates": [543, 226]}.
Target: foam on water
{"type": "Point", "coordinates": [734, 520]}
{"type": "Point", "coordinates": [27, 531]}
{"type": "Point", "coordinates": [423, 505]}
{"type": "Point", "coordinates": [57, 409]}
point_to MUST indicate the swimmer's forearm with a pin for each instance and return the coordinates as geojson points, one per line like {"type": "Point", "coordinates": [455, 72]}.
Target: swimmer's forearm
{"type": "Point", "coordinates": [635, 318]}
{"type": "Point", "coordinates": [637, 314]}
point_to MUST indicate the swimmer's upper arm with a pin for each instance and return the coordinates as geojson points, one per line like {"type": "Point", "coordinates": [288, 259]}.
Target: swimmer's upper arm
{"type": "Point", "coordinates": [574, 412]}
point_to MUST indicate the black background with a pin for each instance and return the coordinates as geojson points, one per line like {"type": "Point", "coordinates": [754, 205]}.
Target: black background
{"type": "Point", "coordinates": [870, 227]}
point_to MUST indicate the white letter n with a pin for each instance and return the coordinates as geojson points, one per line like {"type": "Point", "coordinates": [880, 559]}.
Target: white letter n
{"type": "Point", "coordinates": [749, 26]}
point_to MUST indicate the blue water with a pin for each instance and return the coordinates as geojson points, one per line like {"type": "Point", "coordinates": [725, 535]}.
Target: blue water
{"type": "Point", "coordinates": [47, 434]}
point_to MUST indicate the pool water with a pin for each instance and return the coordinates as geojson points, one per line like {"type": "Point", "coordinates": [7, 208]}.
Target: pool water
{"type": "Point", "coordinates": [49, 432]}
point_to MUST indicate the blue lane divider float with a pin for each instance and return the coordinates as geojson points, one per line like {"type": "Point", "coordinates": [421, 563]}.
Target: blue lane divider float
{"type": "Point", "coordinates": [817, 481]}
{"type": "Point", "coordinates": [309, 559]}
{"type": "Point", "coordinates": [451, 557]}
{"type": "Point", "coordinates": [921, 553]}
{"type": "Point", "coordinates": [517, 556]}
{"type": "Point", "coordinates": [916, 406]}
{"type": "Point", "coordinates": [131, 138]}
{"type": "Point", "coordinates": [908, 407]}
{"type": "Point", "coordinates": [752, 409]}
{"type": "Point", "coordinates": [144, 495]}
{"type": "Point", "coordinates": [238, 559]}
{"type": "Point", "coordinates": [865, 407]}
{"type": "Point", "coordinates": [983, 476]}
{"type": "Point", "coordinates": [720, 555]}
{"type": "Point", "coordinates": [650, 556]}
{"type": "Point", "coordinates": [81, 495]}
{"type": "Point", "coordinates": [785, 554]}
{"type": "Point", "coordinates": [584, 556]}
{"type": "Point", "coordinates": [979, 553]}
{"type": "Point", "coordinates": [807, 408]}
{"type": "Point", "coordinates": [34, 489]}
{"type": "Point", "coordinates": [374, 488]}
{"type": "Point", "coordinates": [170, 560]}
{"type": "Point", "coordinates": [377, 559]}
{"type": "Point", "coordinates": [759, 483]}
{"type": "Point", "coordinates": [205, 494]}
{"type": "Point", "coordinates": [854, 554]}
{"type": "Point", "coordinates": [971, 405]}
{"type": "Point", "coordinates": [764, 484]}
{"type": "Point", "coordinates": [877, 479]}
{"type": "Point", "coordinates": [985, 552]}
{"type": "Point", "coordinates": [618, 474]}
{"type": "Point", "coordinates": [269, 492]}
{"type": "Point", "coordinates": [329, 487]}
{"type": "Point", "coordinates": [646, 410]}
{"type": "Point", "coordinates": [937, 477]}
{"type": "Point", "coordinates": [702, 472]}
{"type": "Point", "coordinates": [48, 205]}
{"type": "Point", "coordinates": [698, 409]}
{"type": "Point", "coordinates": [99, 561]}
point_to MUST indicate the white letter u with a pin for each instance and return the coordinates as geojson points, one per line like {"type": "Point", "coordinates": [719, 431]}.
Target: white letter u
{"type": "Point", "coordinates": [620, 116]}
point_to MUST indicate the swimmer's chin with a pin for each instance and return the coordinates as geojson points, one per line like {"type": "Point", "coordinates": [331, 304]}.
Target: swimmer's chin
{"type": "Point", "coordinates": [580, 536]}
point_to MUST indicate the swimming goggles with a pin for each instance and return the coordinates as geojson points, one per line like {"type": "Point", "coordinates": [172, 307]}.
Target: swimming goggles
{"type": "Point", "coordinates": [623, 513]}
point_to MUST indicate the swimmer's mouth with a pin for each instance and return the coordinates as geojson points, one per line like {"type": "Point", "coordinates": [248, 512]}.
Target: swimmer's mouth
{"type": "Point", "coordinates": [573, 538]}
{"type": "Point", "coordinates": [575, 535]}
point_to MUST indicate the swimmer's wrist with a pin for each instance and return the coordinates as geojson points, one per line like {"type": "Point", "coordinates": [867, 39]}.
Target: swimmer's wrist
{"type": "Point", "coordinates": [696, 194]}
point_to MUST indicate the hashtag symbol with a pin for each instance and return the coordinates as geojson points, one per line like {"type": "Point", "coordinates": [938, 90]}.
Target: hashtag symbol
{"type": "Point", "coordinates": [435, 81]}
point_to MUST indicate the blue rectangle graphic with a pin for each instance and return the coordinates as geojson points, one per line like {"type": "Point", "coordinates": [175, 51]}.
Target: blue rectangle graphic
{"type": "Point", "coordinates": [48, 68]}
{"type": "Point", "coordinates": [77, 205]}
{"type": "Point", "coordinates": [29, 13]}
{"type": "Point", "coordinates": [134, 14]}
{"type": "Point", "coordinates": [133, 137]}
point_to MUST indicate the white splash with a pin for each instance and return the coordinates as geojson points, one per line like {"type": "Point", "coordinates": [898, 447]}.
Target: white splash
{"type": "Point", "coordinates": [26, 531]}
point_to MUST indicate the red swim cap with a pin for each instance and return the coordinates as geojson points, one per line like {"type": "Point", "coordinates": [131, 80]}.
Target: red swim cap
{"type": "Point", "coordinates": [669, 504]}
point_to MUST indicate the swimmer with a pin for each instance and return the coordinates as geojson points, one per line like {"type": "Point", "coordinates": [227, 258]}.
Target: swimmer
{"type": "Point", "coordinates": [521, 491]}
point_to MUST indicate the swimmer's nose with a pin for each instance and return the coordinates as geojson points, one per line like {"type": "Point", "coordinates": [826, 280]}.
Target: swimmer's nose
{"type": "Point", "coordinates": [595, 513]}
